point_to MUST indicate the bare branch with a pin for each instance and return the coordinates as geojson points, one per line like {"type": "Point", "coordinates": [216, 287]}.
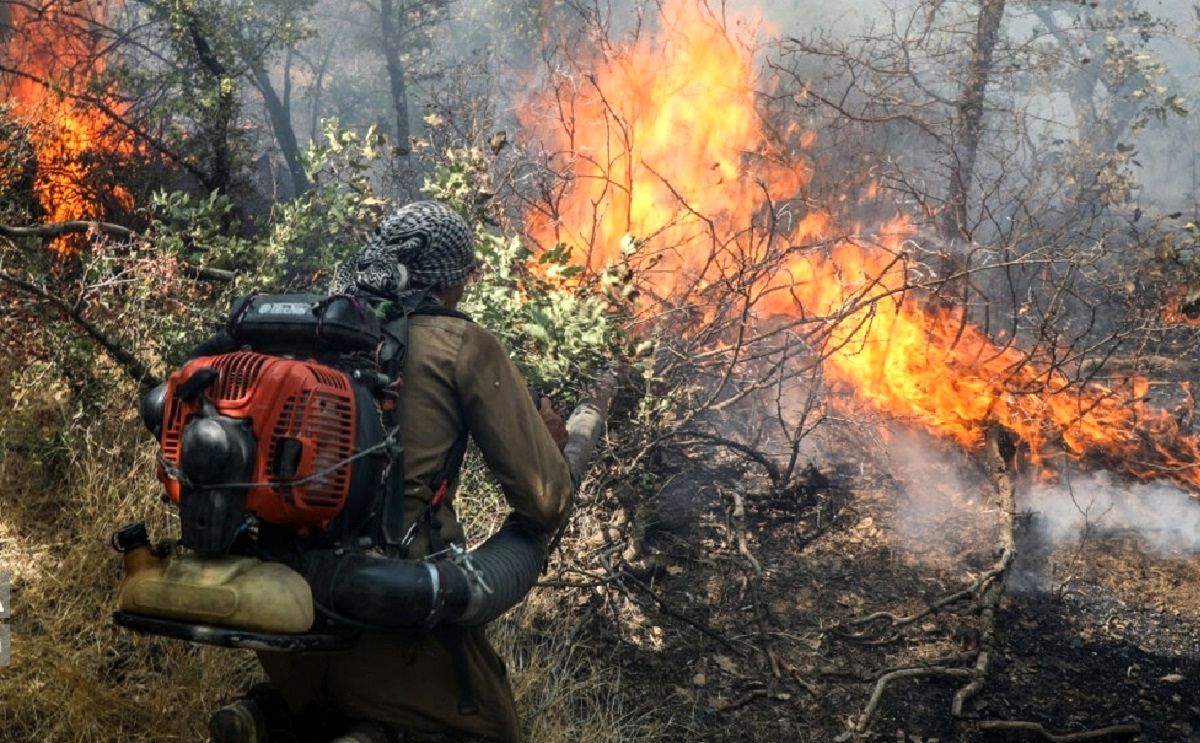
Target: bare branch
{"type": "Point", "coordinates": [1006, 726]}
{"type": "Point", "coordinates": [136, 369]}
{"type": "Point", "coordinates": [54, 229]}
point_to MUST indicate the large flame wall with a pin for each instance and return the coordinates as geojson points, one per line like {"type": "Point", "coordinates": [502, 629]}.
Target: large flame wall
{"type": "Point", "coordinates": [661, 138]}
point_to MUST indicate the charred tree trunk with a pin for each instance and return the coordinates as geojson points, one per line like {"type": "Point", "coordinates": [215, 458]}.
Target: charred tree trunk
{"type": "Point", "coordinates": [969, 121]}
{"type": "Point", "coordinates": [395, 70]}
{"type": "Point", "coordinates": [281, 123]}
{"type": "Point", "coordinates": [221, 172]}
{"type": "Point", "coordinates": [314, 104]}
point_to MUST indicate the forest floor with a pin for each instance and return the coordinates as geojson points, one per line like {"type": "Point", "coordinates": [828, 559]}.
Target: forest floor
{"type": "Point", "coordinates": [733, 618]}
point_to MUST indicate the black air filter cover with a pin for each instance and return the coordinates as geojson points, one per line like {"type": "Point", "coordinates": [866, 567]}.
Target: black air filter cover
{"type": "Point", "coordinates": [278, 323]}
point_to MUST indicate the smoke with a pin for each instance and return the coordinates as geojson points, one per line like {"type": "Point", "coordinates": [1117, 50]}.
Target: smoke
{"type": "Point", "coordinates": [801, 17]}
{"type": "Point", "coordinates": [1164, 517]}
{"type": "Point", "coordinates": [944, 508]}
{"type": "Point", "coordinates": [941, 509]}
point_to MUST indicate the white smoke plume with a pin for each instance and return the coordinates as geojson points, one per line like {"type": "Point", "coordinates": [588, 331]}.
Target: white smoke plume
{"type": "Point", "coordinates": [1166, 518]}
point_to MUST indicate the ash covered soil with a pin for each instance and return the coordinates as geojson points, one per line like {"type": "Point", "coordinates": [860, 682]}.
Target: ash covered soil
{"type": "Point", "coordinates": [730, 609]}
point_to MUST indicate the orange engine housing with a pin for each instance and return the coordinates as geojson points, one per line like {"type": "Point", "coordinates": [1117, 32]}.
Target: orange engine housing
{"type": "Point", "coordinates": [285, 399]}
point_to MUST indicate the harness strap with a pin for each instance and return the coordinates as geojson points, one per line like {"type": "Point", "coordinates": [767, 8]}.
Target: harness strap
{"type": "Point", "coordinates": [440, 485]}
{"type": "Point", "coordinates": [393, 352]}
{"type": "Point", "coordinates": [454, 638]}
{"type": "Point", "coordinates": [391, 509]}
{"type": "Point", "coordinates": [393, 535]}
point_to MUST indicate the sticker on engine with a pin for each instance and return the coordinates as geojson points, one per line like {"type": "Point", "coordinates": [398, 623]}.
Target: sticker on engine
{"type": "Point", "coordinates": [285, 308]}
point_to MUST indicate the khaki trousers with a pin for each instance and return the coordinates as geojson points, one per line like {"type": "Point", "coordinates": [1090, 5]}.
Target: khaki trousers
{"type": "Point", "coordinates": [405, 680]}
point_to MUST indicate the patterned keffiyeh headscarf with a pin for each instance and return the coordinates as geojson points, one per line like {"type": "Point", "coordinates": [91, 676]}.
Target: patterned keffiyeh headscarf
{"type": "Point", "coordinates": [423, 244]}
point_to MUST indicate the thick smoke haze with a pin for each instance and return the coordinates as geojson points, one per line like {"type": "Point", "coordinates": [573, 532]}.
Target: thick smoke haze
{"type": "Point", "coordinates": [504, 39]}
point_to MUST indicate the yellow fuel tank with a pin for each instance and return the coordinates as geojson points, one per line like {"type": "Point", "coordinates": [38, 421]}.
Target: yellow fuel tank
{"type": "Point", "coordinates": [238, 592]}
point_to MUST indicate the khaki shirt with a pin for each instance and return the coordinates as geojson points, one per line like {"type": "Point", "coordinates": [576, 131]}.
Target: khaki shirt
{"type": "Point", "coordinates": [458, 376]}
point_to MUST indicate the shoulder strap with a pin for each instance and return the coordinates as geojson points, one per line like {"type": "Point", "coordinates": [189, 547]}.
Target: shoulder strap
{"type": "Point", "coordinates": [439, 310]}
{"type": "Point", "coordinates": [393, 352]}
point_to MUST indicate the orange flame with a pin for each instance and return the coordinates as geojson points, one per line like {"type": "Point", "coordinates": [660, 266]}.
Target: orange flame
{"type": "Point", "coordinates": [59, 54]}
{"type": "Point", "coordinates": [658, 135]}
{"type": "Point", "coordinates": [661, 139]}
{"type": "Point", "coordinates": [1183, 308]}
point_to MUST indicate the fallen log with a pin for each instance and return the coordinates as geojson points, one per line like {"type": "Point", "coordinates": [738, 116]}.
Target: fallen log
{"type": "Point", "coordinates": [56, 229]}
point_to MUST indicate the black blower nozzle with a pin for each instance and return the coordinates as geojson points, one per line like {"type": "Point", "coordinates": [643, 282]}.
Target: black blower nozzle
{"type": "Point", "coordinates": [470, 589]}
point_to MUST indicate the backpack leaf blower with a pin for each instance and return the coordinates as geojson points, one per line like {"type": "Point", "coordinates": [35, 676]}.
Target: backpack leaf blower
{"type": "Point", "coordinates": [277, 445]}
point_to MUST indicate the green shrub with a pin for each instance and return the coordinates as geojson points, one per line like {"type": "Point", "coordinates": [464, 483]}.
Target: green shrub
{"type": "Point", "coordinates": [560, 322]}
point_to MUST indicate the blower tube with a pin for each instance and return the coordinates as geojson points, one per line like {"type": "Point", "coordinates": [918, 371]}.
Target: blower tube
{"type": "Point", "coordinates": [464, 589]}
{"type": "Point", "coordinates": [467, 589]}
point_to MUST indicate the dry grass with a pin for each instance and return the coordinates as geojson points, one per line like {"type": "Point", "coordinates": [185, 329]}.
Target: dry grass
{"type": "Point", "coordinates": [564, 688]}
{"type": "Point", "coordinates": [66, 484]}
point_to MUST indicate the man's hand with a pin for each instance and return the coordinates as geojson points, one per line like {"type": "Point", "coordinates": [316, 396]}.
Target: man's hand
{"type": "Point", "coordinates": [554, 423]}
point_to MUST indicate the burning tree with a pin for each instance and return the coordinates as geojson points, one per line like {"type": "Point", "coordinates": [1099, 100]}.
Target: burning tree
{"type": "Point", "coordinates": [741, 247]}
{"type": "Point", "coordinates": [974, 307]}
{"type": "Point", "coordinates": [54, 74]}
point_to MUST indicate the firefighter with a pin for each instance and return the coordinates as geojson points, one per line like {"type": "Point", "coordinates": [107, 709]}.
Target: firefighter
{"type": "Point", "coordinates": [446, 683]}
